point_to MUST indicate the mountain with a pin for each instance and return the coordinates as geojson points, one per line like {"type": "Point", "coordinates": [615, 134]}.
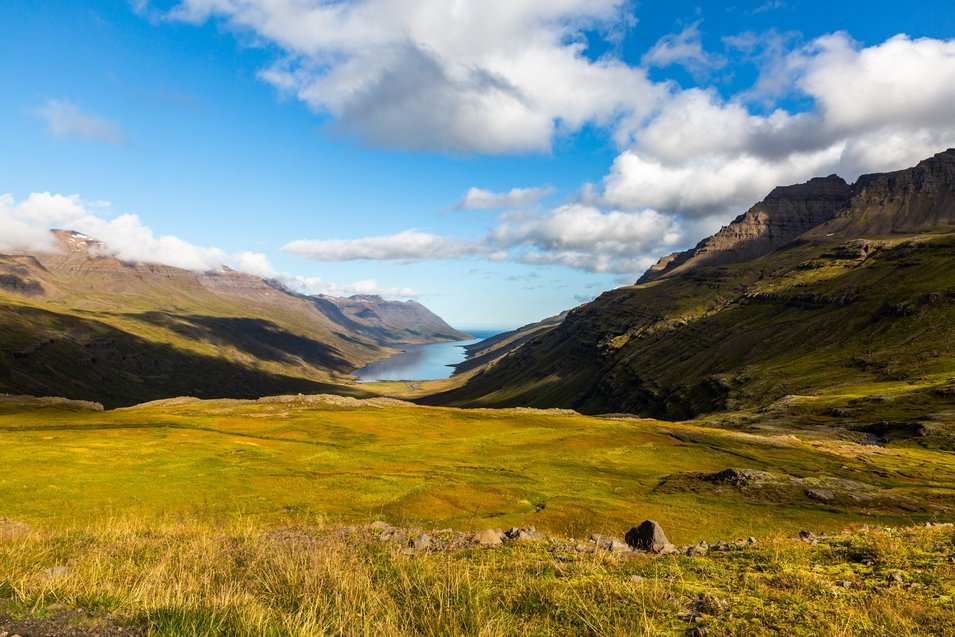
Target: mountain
{"type": "Point", "coordinates": [786, 213]}
{"type": "Point", "coordinates": [859, 302]}
{"type": "Point", "coordinates": [83, 325]}
{"type": "Point", "coordinates": [389, 322]}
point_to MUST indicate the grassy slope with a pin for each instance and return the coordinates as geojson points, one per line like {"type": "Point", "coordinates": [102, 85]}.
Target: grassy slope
{"type": "Point", "coordinates": [211, 518]}
{"type": "Point", "coordinates": [121, 334]}
{"type": "Point", "coordinates": [802, 320]}
{"type": "Point", "coordinates": [435, 466]}
{"type": "Point", "coordinates": [188, 578]}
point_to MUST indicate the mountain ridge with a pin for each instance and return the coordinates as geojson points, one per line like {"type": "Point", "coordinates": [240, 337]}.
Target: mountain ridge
{"type": "Point", "coordinates": [87, 326]}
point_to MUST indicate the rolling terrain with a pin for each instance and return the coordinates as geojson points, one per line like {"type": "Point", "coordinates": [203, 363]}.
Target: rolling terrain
{"type": "Point", "coordinates": [229, 517]}
{"type": "Point", "coordinates": [858, 305]}
{"type": "Point", "coordinates": [86, 326]}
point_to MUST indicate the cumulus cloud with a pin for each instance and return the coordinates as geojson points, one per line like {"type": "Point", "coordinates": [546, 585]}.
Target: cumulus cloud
{"type": "Point", "coordinates": [488, 76]}
{"type": "Point", "coordinates": [875, 108]}
{"type": "Point", "coordinates": [516, 198]}
{"type": "Point", "coordinates": [65, 120]}
{"type": "Point", "coordinates": [684, 49]}
{"type": "Point", "coordinates": [27, 226]}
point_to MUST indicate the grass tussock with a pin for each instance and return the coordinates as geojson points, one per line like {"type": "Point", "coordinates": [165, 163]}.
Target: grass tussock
{"type": "Point", "coordinates": [200, 577]}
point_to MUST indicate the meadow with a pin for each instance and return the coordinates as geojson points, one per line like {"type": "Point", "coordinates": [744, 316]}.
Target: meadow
{"type": "Point", "coordinates": [228, 517]}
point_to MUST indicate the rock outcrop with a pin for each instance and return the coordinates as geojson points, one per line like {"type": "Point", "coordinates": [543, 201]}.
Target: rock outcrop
{"type": "Point", "coordinates": [786, 213]}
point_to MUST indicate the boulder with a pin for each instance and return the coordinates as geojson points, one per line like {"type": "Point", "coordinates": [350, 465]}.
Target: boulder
{"type": "Point", "coordinates": [649, 536]}
{"type": "Point", "coordinates": [488, 537]}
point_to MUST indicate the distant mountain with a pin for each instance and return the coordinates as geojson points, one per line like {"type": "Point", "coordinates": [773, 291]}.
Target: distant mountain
{"type": "Point", "coordinates": [389, 322]}
{"type": "Point", "coordinates": [82, 325]}
{"type": "Point", "coordinates": [820, 286]}
{"type": "Point", "coordinates": [488, 351]}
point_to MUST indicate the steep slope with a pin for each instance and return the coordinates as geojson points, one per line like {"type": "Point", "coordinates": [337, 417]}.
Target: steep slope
{"type": "Point", "coordinates": [390, 322]}
{"type": "Point", "coordinates": [865, 298]}
{"type": "Point", "coordinates": [83, 325]}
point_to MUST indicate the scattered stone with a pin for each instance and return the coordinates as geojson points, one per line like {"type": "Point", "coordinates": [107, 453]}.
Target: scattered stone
{"type": "Point", "coordinates": [488, 537]}
{"type": "Point", "coordinates": [608, 543]}
{"type": "Point", "coordinates": [379, 525]}
{"type": "Point", "coordinates": [751, 540]}
{"type": "Point", "coordinates": [649, 536]}
{"type": "Point", "coordinates": [524, 534]}
{"type": "Point", "coordinates": [422, 542]}
{"type": "Point", "coordinates": [808, 537]}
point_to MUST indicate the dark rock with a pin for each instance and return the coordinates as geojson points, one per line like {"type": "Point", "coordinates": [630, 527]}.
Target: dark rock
{"type": "Point", "coordinates": [649, 536]}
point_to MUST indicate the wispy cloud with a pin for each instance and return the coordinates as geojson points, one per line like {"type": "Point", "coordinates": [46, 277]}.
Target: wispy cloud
{"type": "Point", "coordinates": [684, 49]}
{"type": "Point", "coordinates": [576, 236]}
{"type": "Point", "coordinates": [66, 120]}
{"type": "Point", "coordinates": [516, 198]}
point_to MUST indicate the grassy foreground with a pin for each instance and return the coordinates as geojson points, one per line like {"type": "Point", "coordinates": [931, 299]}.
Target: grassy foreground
{"type": "Point", "coordinates": [287, 459]}
{"type": "Point", "coordinates": [226, 517]}
{"type": "Point", "coordinates": [192, 577]}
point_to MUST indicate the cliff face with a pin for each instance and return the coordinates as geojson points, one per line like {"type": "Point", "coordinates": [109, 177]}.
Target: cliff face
{"type": "Point", "coordinates": [917, 199]}
{"type": "Point", "coordinates": [786, 213]}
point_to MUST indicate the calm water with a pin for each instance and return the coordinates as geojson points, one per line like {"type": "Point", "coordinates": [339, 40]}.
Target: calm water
{"type": "Point", "coordinates": [421, 362]}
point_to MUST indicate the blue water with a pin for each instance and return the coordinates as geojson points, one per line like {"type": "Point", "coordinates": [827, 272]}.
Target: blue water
{"type": "Point", "coordinates": [422, 362]}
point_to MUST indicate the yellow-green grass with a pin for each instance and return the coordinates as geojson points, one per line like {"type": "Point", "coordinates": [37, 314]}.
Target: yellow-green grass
{"type": "Point", "coordinates": [346, 461]}
{"type": "Point", "coordinates": [205, 577]}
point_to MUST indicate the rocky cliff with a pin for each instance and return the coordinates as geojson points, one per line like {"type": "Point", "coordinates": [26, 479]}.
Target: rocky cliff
{"type": "Point", "coordinates": [786, 213]}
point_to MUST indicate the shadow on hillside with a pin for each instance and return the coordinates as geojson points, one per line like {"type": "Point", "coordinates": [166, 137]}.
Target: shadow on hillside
{"type": "Point", "coordinates": [50, 354]}
{"type": "Point", "coordinates": [257, 337]}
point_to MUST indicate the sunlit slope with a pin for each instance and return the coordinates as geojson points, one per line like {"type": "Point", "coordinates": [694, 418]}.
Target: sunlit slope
{"type": "Point", "coordinates": [346, 461]}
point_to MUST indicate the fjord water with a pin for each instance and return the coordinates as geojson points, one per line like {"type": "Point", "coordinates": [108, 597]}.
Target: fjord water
{"type": "Point", "coordinates": [422, 362]}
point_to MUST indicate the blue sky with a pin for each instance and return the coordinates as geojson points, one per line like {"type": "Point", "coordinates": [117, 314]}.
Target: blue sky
{"type": "Point", "coordinates": [340, 148]}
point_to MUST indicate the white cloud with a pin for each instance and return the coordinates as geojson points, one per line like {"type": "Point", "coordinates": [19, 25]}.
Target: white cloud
{"type": "Point", "coordinates": [123, 236]}
{"type": "Point", "coordinates": [64, 119]}
{"type": "Point", "coordinates": [575, 236]}
{"type": "Point", "coordinates": [407, 246]}
{"type": "Point", "coordinates": [684, 49]}
{"type": "Point", "coordinates": [488, 76]}
{"type": "Point", "coordinates": [878, 108]}
{"type": "Point", "coordinates": [516, 198]}
{"type": "Point", "coordinates": [26, 228]}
